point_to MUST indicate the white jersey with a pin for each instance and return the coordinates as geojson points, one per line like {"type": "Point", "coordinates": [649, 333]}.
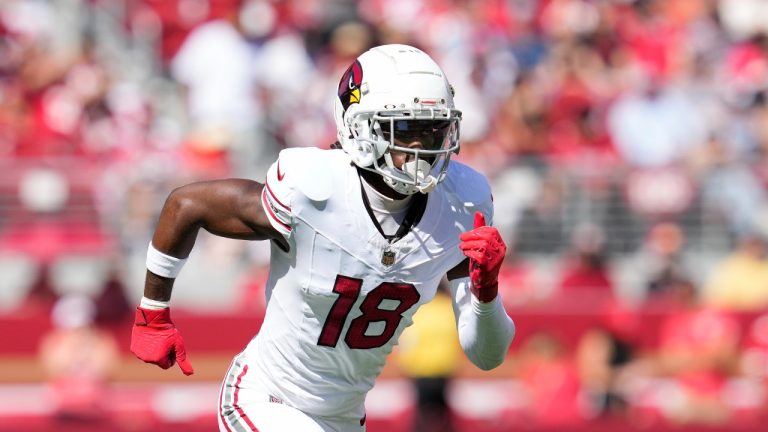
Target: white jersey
{"type": "Point", "coordinates": [341, 296]}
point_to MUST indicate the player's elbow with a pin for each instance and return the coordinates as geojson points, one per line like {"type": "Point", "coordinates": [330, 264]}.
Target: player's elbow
{"type": "Point", "coordinates": [181, 205]}
{"type": "Point", "coordinates": [490, 352]}
{"type": "Point", "coordinates": [486, 358]}
{"type": "Point", "coordinates": [488, 363]}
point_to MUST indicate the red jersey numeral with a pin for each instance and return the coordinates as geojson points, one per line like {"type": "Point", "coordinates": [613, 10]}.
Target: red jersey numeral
{"type": "Point", "coordinates": [348, 290]}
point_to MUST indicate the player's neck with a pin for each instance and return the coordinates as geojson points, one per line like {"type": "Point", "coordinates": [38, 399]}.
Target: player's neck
{"type": "Point", "coordinates": [376, 181]}
{"type": "Point", "coordinates": [382, 203]}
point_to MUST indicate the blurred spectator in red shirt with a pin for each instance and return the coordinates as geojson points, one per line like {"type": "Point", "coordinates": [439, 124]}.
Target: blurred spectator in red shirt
{"type": "Point", "coordinates": [698, 350]}
{"type": "Point", "coordinates": [78, 358]}
{"type": "Point", "coordinates": [170, 21]}
{"type": "Point", "coordinates": [606, 355]}
{"type": "Point", "coordinates": [586, 273]}
{"type": "Point", "coordinates": [519, 126]}
{"type": "Point", "coordinates": [518, 283]}
{"type": "Point", "coordinates": [551, 379]}
{"type": "Point", "coordinates": [754, 368]}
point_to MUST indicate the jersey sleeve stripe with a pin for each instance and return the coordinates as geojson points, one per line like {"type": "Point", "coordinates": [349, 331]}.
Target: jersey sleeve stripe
{"type": "Point", "coordinates": [274, 198]}
{"type": "Point", "coordinates": [273, 218]}
{"type": "Point", "coordinates": [280, 213]}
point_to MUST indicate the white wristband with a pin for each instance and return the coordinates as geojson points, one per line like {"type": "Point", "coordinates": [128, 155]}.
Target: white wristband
{"type": "Point", "coordinates": [147, 303]}
{"type": "Point", "coordinates": [162, 264]}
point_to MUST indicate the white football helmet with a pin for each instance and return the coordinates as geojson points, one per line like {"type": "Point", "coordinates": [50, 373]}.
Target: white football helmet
{"type": "Point", "coordinates": [390, 97]}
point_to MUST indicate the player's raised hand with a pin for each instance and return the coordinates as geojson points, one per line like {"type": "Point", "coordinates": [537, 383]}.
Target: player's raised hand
{"type": "Point", "coordinates": [485, 249]}
{"type": "Point", "coordinates": [155, 339]}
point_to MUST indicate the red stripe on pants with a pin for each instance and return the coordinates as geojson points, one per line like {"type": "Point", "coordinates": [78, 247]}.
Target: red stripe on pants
{"type": "Point", "coordinates": [237, 407]}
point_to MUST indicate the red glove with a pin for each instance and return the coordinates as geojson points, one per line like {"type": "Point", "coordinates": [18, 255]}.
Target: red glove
{"type": "Point", "coordinates": [485, 249]}
{"type": "Point", "coordinates": [155, 339]}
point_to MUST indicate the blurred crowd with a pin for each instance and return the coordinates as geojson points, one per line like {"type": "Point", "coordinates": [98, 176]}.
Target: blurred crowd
{"type": "Point", "coordinates": [626, 142]}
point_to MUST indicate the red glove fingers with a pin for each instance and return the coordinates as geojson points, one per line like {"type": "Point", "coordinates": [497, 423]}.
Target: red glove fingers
{"type": "Point", "coordinates": [485, 249]}
{"type": "Point", "coordinates": [156, 340]}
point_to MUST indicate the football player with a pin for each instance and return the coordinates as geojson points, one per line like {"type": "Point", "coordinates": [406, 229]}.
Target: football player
{"type": "Point", "coordinates": [361, 235]}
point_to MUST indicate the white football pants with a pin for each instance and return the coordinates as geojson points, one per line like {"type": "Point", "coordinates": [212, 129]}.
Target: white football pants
{"type": "Point", "coordinates": [252, 409]}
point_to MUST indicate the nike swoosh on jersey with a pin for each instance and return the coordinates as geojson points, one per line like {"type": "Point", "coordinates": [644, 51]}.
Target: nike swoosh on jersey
{"type": "Point", "coordinates": [279, 174]}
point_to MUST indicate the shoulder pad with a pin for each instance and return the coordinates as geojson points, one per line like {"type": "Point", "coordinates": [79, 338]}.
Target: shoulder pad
{"type": "Point", "coordinates": [469, 190]}
{"type": "Point", "coordinates": [309, 168]}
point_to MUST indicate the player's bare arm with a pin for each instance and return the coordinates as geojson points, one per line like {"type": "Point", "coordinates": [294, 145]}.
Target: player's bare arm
{"type": "Point", "coordinates": [228, 208]}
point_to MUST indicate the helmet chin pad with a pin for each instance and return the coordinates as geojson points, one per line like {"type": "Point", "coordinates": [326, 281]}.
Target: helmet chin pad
{"type": "Point", "coordinates": [417, 177]}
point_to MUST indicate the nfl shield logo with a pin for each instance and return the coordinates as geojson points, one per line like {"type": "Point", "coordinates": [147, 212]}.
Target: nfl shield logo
{"type": "Point", "coordinates": [388, 258]}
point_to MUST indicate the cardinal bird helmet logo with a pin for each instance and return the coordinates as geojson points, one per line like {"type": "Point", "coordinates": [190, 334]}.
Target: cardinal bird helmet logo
{"type": "Point", "coordinates": [349, 86]}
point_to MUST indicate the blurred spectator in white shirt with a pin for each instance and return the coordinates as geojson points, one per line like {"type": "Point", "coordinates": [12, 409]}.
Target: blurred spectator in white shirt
{"type": "Point", "coordinates": [655, 126]}
{"type": "Point", "coordinates": [216, 65]}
